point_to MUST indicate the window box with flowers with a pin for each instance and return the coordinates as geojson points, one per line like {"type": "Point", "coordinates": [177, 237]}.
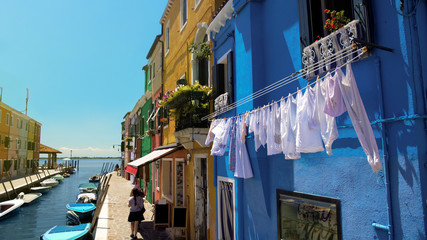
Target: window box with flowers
{"type": "Point", "coordinates": [164, 120]}
{"type": "Point", "coordinates": [188, 104]}
{"type": "Point", "coordinates": [150, 132]}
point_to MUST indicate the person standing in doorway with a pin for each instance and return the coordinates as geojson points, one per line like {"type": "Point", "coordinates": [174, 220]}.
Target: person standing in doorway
{"type": "Point", "coordinates": [136, 215]}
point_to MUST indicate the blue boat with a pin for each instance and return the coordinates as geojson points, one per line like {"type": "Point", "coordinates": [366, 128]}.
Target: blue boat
{"type": "Point", "coordinates": [79, 232]}
{"type": "Point", "coordinates": [83, 210]}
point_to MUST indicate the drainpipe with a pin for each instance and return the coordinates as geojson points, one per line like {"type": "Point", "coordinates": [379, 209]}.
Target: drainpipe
{"type": "Point", "coordinates": [161, 92]}
{"type": "Point", "coordinates": [388, 228]}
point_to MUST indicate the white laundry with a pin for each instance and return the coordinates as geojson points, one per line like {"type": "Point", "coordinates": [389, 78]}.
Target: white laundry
{"type": "Point", "coordinates": [328, 124]}
{"type": "Point", "coordinates": [308, 139]}
{"type": "Point", "coordinates": [211, 135]}
{"type": "Point", "coordinates": [273, 130]}
{"type": "Point", "coordinates": [359, 118]}
{"type": "Point", "coordinates": [288, 111]}
{"type": "Point", "coordinates": [243, 163]}
{"type": "Point", "coordinates": [334, 105]}
{"type": "Point", "coordinates": [222, 133]}
{"type": "Point", "coordinates": [263, 121]}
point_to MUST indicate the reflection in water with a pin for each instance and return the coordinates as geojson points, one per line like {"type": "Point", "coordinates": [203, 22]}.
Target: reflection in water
{"type": "Point", "coordinates": [49, 210]}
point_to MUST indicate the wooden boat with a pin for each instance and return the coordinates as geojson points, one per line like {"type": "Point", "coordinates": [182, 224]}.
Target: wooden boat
{"type": "Point", "coordinates": [58, 177]}
{"type": "Point", "coordinates": [42, 189]}
{"type": "Point", "coordinates": [9, 206]}
{"type": "Point", "coordinates": [86, 198]}
{"type": "Point", "coordinates": [83, 210]}
{"type": "Point", "coordinates": [29, 197]}
{"type": "Point", "coordinates": [79, 232]}
{"type": "Point", "coordinates": [88, 187]}
{"type": "Point", "coordinates": [49, 182]}
{"type": "Point", "coordinates": [65, 175]}
{"type": "Point", "coordinates": [95, 178]}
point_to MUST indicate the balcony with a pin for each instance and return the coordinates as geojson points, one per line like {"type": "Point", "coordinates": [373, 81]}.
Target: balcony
{"type": "Point", "coordinates": [188, 104]}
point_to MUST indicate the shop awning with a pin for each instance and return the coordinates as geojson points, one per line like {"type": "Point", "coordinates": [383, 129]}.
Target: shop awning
{"type": "Point", "coordinates": [153, 156]}
{"type": "Point", "coordinates": [131, 170]}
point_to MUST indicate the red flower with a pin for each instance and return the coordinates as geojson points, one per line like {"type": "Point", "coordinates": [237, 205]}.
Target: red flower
{"type": "Point", "coordinates": [340, 25]}
{"type": "Point", "coordinates": [332, 14]}
{"type": "Point", "coordinates": [326, 10]}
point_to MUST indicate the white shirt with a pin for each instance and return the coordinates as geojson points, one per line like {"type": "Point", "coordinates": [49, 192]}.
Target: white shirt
{"type": "Point", "coordinates": [243, 163]}
{"type": "Point", "coordinates": [288, 128]}
{"type": "Point", "coordinates": [273, 130]}
{"type": "Point", "coordinates": [220, 142]}
{"type": "Point", "coordinates": [308, 138]}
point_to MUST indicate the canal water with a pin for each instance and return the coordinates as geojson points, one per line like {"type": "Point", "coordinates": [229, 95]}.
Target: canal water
{"type": "Point", "coordinates": [49, 210]}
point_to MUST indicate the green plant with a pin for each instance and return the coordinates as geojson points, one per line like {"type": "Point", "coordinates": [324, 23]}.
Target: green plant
{"type": "Point", "coordinates": [202, 50]}
{"type": "Point", "coordinates": [336, 21]}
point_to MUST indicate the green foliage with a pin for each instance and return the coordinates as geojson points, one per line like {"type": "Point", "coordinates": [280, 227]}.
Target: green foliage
{"type": "Point", "coordinates": [202, 50]}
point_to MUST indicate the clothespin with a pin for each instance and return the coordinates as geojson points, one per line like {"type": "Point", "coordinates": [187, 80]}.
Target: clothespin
{"type": "Point", "coordinates": [318, 78]}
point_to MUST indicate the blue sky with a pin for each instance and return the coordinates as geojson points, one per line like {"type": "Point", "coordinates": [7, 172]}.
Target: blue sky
{"type": "Point", "coordinates": [81, 61]}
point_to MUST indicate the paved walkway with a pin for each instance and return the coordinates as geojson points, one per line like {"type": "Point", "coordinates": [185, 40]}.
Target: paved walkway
{"type": "Point", "coordinates": [112, 223]}
{"type": "Point", "coordinates": [19, 184]}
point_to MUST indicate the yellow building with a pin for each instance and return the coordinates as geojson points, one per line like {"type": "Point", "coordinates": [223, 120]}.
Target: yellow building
{"type": "Point", "coordinates": [30, 129]}
{"type": "Point", "coordinates": [184, 24]}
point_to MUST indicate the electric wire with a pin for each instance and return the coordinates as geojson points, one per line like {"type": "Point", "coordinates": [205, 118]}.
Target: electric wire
{"type": "Point", "coordinates": [291, 78]}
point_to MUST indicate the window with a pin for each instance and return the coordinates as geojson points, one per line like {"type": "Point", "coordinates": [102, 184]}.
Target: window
{"type": "Point", "coordinates": [11, 120]}
{"type": "Point", "coordinates": [151, 74]}
{"type": "Point", "coordinates": [298, 212]}
{"type": "Point", "coordinates": [154, 69]}
{"type": "Point", "coordinates": [26, 126]}
{"type": "Point", "coordinates": [226, 208]}
{"type": "Point", "coordinates": [312, 16]}
{"type": "Point", "coordinates": [6, 142]}
{"type": "Point", "coordinates": [15, 164]}
{"type": "Point", "coordinates": [223, 81]}
{"type": "Point", "coordinates": [7, 119]}
{"type": "Point", "coordinates": [0, 115]}
{"type": "Point", "coordinates": [167, 179]}
{"type": "Point", "coordinates": [183, 13]}
{"type": "Point", "coordinates": [167, 43]}
{"type": "Point", "coordinates": [18, 144]}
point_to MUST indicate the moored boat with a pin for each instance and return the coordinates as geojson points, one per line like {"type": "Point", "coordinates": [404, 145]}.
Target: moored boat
{"type": "Point", "coordinates": [7, 207]}
{"type": "Point", "coordinates": [95, 178]}
{"type": "Point", "coordinates": [88, 187]}
{"type": "Point", "coordinates": [42, 189]}
{"type": "Point", "coordinates": [49, 182]}
{"type": "Point", "coordinates": [29, 197]}
{"type": "Point", "coordinates": [86, 198]}
{"type": "Point", "coordinates": [83, 210]}
{"type": "Point", "coordinates": [65, 175]}
{"type": "Point", "coordinates": [79, 232]}
{"type": "Point", "coordinates": [58, 177]}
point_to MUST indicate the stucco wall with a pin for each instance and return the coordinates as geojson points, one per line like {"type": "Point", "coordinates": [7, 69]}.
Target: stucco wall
{"type": "Point", "coordinates": [267, 48]}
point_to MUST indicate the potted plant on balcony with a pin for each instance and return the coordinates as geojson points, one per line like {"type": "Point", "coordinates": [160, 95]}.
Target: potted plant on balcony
{"type": "Point", "coordinates": [336, 21]}
{"type": "Point", "coordinates": [187, 104]}
{"type": "Point", "coordinates": [150, 132]}
{"type": "Point", "coordinates": [164, 120]}
{"type": "Point", "coordinates": [202, 50]}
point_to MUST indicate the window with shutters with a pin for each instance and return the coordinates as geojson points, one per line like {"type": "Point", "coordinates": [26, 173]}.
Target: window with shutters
{"type": "Point", "coordinates": [223, 81]}
{"type": "Point", "coordinates": [183, 13]}
{"type": "Point", "coordinates": [312, 17]}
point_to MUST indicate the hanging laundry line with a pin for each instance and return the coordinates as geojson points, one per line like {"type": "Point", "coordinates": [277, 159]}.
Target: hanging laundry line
{"type": "Point", "coordinates": [343, 54]}
{"type": "Point", "coordinates": [308, 84]}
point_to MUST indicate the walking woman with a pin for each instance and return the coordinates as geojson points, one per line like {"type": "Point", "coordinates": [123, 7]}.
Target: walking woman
{"type": "Point", "coordinates": [136, 204]}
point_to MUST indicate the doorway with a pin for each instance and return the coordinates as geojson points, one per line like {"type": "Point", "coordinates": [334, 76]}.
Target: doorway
{"type": "Point", "coordinates": [201, 197]}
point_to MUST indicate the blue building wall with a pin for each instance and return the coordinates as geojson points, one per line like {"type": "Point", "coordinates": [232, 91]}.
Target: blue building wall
{"type": "Point", "coordinates": [265, 40]}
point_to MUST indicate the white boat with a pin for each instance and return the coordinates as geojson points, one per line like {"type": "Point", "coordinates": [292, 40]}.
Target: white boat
{"type": "Point", "coordinates": [49, 182]}
{"type": "Point", "coordinates": [9, 206]}
{"type": "Point", "coordinates": [41, 189]}
{"type": "Point", "coordinates": [29, 197]}
{"type": "Point", "coordinates": [86, 198]}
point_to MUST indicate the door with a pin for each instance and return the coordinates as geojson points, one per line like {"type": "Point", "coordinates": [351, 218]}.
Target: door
{"type": "Point", "coordinates": [201, 189]}
{"type": "Point", "coordinates": [226, 213]}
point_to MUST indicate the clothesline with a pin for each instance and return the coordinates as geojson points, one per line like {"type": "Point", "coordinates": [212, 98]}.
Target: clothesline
{"type": "Point", "coordinates": [308, 84]}
{"type": "Point", "coordinates": [305, 124]}
{"type": "Point", "coordinates": [344, 53]}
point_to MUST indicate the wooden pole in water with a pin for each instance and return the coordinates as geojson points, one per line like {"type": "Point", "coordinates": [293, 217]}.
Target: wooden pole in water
{"type": "Point", "coordinates": [5, 189]}
{"type": "Point", "coordinates": [78, 165]}
{"type": "Point", "coordinates": [10, 180]}
{"type": "Point", "coordinates": [102, 167]}
{"type": "Point", "coordinates": [26, 181]}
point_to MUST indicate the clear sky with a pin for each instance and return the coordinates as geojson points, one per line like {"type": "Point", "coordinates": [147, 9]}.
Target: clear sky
{"type": "Point", "coordinates": [81, 61]}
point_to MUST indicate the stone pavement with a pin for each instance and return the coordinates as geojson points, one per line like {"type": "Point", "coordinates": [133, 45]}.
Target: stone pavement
{"type": "Point", "coordinates": [112, 223]}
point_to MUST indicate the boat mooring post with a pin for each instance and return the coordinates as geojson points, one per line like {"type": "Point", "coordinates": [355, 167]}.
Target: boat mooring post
{"type": "Point", "coordinates": [78, 165]}
{"type": "Point", "coordinates": [102, 167]}
{"type": "Point", "coordinates": [26, 181]}
{"type": "Point", "coordinates": [5, 189]}
{"type": "Point", "coordinates": [10, 180]}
